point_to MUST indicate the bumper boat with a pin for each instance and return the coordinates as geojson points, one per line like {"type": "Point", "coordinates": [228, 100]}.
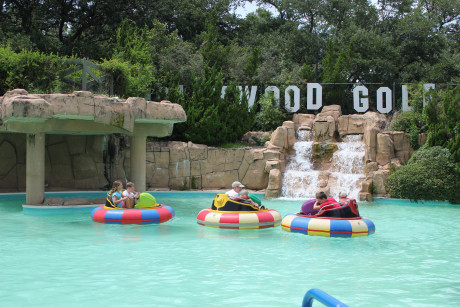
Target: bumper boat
{"type": "Point", "coordinates": [343, 221]}
{"type": "Point", "coordinates": [146, 211]}
{"type": "Point", "coordinates": [237, 214]}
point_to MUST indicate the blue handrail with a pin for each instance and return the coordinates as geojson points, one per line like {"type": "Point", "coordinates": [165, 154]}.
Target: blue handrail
{"type": "Point", "coordinates": [322, 297]}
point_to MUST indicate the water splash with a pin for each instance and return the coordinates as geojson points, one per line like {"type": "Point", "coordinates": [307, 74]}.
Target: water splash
{"type": "Point", "coordinates": [302, 181]}
{"type": "Point", "coordinates": [347, 168]}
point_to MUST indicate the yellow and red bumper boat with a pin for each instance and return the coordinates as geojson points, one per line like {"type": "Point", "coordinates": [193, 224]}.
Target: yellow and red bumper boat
{"type": "Point", "coordinates": [237, 214]}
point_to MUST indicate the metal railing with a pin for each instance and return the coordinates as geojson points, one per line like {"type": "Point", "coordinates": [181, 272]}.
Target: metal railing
{"type": "Point", "coordinates": [85, 66]}
{"type": "Point", "coordinates": [322, 297]}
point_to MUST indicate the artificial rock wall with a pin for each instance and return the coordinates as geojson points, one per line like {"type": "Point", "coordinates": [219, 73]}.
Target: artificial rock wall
{"type": "Point", "coordinates": [383, 149]}
{"type": "Point", "coordinates": [93, 162]}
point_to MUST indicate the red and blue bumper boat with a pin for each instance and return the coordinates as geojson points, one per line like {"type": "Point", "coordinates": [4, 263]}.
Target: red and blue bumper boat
{"type": "Point", "coordinates": [329, 221]}
{"type": "Point", "coordinates": [146, 211]}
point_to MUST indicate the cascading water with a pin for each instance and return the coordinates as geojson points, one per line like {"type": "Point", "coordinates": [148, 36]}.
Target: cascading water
{"type": "Point", "coordinates": [346, 172]}
{"type": "Point", "coordinates": [347, 169]}
{"type": "Point", "coordinates": [300, 180]}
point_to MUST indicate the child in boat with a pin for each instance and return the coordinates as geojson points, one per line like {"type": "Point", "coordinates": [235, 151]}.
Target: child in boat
{"type": "Point", "coordinates": [131, 194]}
{"type": "Point", "coordinates": [322, 200]}
{"type": "Point", "coordinates": [244, 195]}
{"type": "Point", "coordinates": [114, 197]}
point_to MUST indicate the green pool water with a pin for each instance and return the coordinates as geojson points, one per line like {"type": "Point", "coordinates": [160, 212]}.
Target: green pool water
{"type": "Point", "coordinates": [65, 259]}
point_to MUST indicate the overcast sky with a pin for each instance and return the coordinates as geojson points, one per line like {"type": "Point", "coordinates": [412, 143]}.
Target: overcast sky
{"type": "Point", "coordinates": [252, 7]}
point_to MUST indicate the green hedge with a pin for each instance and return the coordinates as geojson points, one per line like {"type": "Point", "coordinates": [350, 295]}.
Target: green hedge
{"type": "Point", "coordinates": [429, 175]}
{"type": "Point", "coordinates": [32, 71]}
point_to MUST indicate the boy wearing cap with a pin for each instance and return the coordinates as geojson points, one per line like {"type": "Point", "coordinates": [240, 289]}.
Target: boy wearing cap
{"type": "Point", "coordinates": [236, 189]}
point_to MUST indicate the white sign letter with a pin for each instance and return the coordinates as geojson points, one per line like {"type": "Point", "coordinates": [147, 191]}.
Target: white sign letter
{"type": "Point", "coordinates": [224, 88]}
{"type": "Point", "coordinates": [251, 96]}
{"type": "Point", "coordinates": [319, 96]}
{"type": "Point", "coordinates": [287, 98]}
{"type": "Point", "coordinates": [360, 104]}
{"type": "Point", "coordinates": [405, 99]}
{"type": "Point", "coordinates": [426, 88]}
{"type": "Point", "coordinates": [276, 93]}
{"type": "Point", "coordinates": [388, 105]}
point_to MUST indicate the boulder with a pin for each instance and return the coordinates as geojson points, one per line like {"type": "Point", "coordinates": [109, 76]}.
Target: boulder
{"type": "Point", "coordinates": [274, 184]}
{"type": "Point", "coordinates": [385, 148]}
{"type": "Point", "coordinates": [269, 165]}
{"type": "Point", "coordinates": [271, 155]}
{"type": "Point", "coordinates": [335, 111]}
{"type": "Point", "coordinates": [324, 129]}
{"type": "Point", "coordinates": [402, 148]}
{"type": "Point", "coordinates": [378, 181]}
{"type": "Point", "coordinates": [351, 124]}
{"type": "Point", "coordinates": [370, 139]}
{"type": "Point", "coordinates": [371, 167]}
{"type": "Point", "coordinates": [279, 138]}
{"type": "Point", "coordinates": [365, 197]}
{"type": "Point", "coordinates": [303, 120]}
{"type": "Point", "coordinates": [290, 133]}
{"type": "Point", "coordinates": [324, 150]}
{"type": "Point", "coordinates": [366, 186]}
{"type": "Point", "coordinates": [256, 138]}
{"type": "Point", "coordinates": [255, 178]}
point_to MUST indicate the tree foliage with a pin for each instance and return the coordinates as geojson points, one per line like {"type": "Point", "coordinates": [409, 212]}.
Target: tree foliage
{"type": "Point", "coordinates": [269, 116]}
{"type": "Point", "coordinates": [211, 119]}
{"type": "Point", "coordinates": [30, 70]}
{"type": "Point", "coordinates": [443, 118]}
{"type": "Point", "coordinates": [429, 175]}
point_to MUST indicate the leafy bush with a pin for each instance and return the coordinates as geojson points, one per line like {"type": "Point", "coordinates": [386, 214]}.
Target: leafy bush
{"type": "Point", "coordinates": [405, 120]}
{"type": "Point", "coordinates": [443, 118]}
{"type": "Point", "coordinates": [32, 71]}
{"type": "Point", "coordinates": [429, 175]}
{"type": "Point", "coordinates": [269, 116]}
{"type": "Point", "coordinates": [411, 123]}
{"type": "Point", "coordinates": [119, 71]}
{"type": "Point", "coordinates": [211, 119]}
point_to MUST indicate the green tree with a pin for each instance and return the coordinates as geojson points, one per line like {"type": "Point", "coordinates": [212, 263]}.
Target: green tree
{"type": "Point", "coordinates": [269, 116]}
{"type": "Point", "coordinates": [429, 175]}
{"type": "Point", "coordinates": [211, 119]}
{"type": "Point", "coordinates": [443, 118]}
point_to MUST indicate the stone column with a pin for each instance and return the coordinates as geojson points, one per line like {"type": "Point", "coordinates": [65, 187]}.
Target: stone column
{"type": "Point", "coordinates": [138, 162]}
{"type": "Point", "coordinates": [35, 168]}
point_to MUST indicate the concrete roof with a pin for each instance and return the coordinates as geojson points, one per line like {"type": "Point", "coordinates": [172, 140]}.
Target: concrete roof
{"type": "Point", "coordinates": [85, 113]}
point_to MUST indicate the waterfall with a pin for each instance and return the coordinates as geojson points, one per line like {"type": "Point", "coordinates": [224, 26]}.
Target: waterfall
{"type": "Point", "coordinates": [300, 180]}
{"type": "Point", "coordinates": [347, 169]}
{"type": "Point", "coordinates": [346, 172]}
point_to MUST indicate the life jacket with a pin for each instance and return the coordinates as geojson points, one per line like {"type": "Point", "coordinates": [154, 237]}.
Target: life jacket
{"type": "Point", "coordinates": [330, 201]}
{"type": "Point", "coordinates": [108, 201]}
{"type": "Point", "coordinates": [349, 209]}
{"type": "Point", "coordinates": [223, 203]}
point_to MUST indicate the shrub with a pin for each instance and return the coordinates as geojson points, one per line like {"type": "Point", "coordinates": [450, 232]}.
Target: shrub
{"type": "Point", "coordinates": [429, 175]}
{"type": "Point", "coordinates": [32, 71]}
{"type": "Point", "coordinates": [270, 116]}
{"type": "Point", "coordinates": [443, 118]}
{"type": "Point", "coordinates": [411, 123]}
{"type": "Point", "coordinates": [211, 119]}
